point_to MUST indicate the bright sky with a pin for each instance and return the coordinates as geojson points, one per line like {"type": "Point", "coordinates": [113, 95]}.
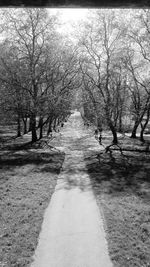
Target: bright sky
{"type": "Point", "coordinates": [68, 16]}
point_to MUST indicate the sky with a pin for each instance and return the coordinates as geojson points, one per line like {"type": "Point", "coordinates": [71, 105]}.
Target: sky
{"type": "Point", "coordinates": [69, 16]}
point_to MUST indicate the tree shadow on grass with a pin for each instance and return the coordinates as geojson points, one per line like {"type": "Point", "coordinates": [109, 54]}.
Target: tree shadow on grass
{"type": "Point", "coordinates": [116, 174]}
{"type": "Point", "coordinates": [43, 161]}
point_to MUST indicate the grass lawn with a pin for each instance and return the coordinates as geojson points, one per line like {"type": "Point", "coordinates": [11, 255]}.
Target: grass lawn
{"type": "Point", "coordinates": [27, 181]}
{"type": "Point", "coordinates": [122, 188]}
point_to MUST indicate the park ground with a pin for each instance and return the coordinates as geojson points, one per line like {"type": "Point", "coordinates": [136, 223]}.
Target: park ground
{"type": "Point", "coordinates": [121, 184]}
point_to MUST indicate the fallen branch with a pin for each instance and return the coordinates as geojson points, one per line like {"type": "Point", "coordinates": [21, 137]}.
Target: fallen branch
{"type": "Point", "coordinates": [133, 150]}
{"type": "Point", "coordinates": [107, 149]}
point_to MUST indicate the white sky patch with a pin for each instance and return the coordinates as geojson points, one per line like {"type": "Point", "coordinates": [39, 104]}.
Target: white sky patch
{"type": "Point", "coordinates": [70, 14]}
{"type": "Point", "coordinates": [69, 17]}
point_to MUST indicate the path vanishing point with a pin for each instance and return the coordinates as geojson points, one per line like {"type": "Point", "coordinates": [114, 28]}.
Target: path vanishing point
{"type": "Point", "coordinates": [72, 232]}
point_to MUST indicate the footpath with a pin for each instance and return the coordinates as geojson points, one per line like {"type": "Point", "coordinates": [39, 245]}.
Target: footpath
{"type": "Point", "coordinates": [72, 233]}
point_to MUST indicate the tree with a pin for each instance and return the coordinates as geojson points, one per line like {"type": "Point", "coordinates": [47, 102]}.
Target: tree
{"type": "Point", "coordinates": [39, 67]}
{"type": "Point", "coordinates": [28, 33]}
{"type": "Point", "coordinates": [101, 47]}
{"type": "Point", "coordinates": [60, 79]}
{"type": "Point", "coordinates": [137, 63]}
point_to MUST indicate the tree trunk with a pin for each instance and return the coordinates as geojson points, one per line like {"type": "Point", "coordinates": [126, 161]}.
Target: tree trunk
{"type": "Point", "coordinates": [143, 126]}
{"type": "Point", "coordinates": [41, 128]}
{"type": "Point", "coordinates": [141, 134]}
{"type": "Point", "coordinates": [18, 127]}
{"type": "Point", "coordinates": [33, 127]}
{"type": "Point", "coordinates": [111, 126]}
{"type": "Point", "coordinates": [137, 123]}
{"type": "Point", "coordinates": [30, 125]}
{"type": "Point", "coordinates": [120, 122]}
{"type": "Point", "coordinates": [49, 126]}
{"type": "Point", "coordinates": [54, 126]}
{"type": "Point", "coordinates": [34, 135]}
{"type": "Point", "coordinates": [133, 134]}
{"type": "Point", "coordinates": [41, 132]}
{"type": "Point", "coordinates": [113, 130]}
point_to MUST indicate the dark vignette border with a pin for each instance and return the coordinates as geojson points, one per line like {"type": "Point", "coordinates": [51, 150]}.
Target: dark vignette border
{"type": "Point", "coordinates": [77, 3]}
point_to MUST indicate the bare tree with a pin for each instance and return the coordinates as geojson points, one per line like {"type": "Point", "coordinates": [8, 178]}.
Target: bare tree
{"type": "Point", "coordinates": [138, 86]}
{"type": "Point", "coordinates": [100, 50]}
{"type": "Point", "coordinates": [28, 34]}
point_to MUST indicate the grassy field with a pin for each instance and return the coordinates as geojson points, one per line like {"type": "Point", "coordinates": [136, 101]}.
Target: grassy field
{"type": "Point", "coordinates": [28, 176]}
{"type": "Point", "coordinates": [121, 183]}
{"type": "Point", "coordinates": [122, 188]}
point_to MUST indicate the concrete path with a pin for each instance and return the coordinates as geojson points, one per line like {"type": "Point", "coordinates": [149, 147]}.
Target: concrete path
{"type": "Point", "coordinates": [72, 233]}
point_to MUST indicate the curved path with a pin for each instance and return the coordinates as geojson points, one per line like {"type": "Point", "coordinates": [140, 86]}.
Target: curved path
{"type": "Point", "coordinates": [72, 232]}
